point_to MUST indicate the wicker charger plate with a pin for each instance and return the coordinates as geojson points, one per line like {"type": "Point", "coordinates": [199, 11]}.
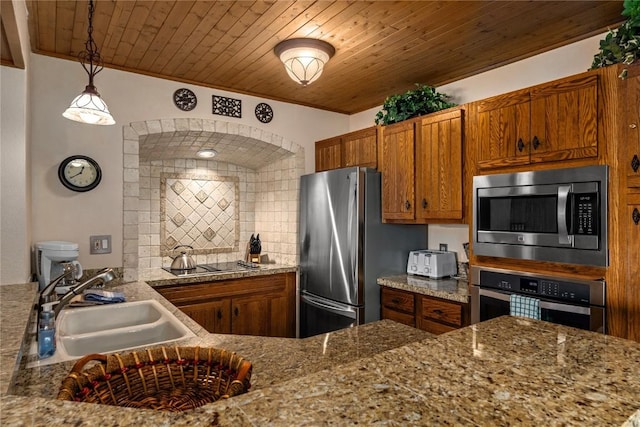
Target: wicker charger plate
{"type": "Point", "coordinates": [172, 379]}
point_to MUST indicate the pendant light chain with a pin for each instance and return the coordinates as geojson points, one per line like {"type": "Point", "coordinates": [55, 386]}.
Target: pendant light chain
{"type": "Point", "coordinates": [91, 55]}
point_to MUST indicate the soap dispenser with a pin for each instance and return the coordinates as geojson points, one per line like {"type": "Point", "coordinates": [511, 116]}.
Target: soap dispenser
{"type": "Point", "coordinates": [46, 333]}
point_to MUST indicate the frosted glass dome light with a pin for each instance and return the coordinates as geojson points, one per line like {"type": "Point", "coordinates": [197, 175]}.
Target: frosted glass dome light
{"type": "Point", "coordinates": [304, 59]}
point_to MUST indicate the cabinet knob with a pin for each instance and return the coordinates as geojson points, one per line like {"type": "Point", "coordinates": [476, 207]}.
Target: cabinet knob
{"type": "Point", "coordinates": [633, 125]}
{"type": "Point", "coordinates": [635, 216]}
{"type": "Point", "coordinates": [635, 163]}
{"type": "Point", "coordinates": [520, 145]}
{"type": "Point", "coordinates": [424, 203]}
{"type": "Point", "coordinates": [535, 142]}
{"type": "Point", "coordinates": [407, 205]}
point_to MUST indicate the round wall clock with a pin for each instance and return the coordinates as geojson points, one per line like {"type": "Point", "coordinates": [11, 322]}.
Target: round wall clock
{"type": "Point", "coordinates": [264, 113]}
{"type": "Point", "coordinates": [185, 99]}
{"type": "Point", "coordinates": [79, 173]}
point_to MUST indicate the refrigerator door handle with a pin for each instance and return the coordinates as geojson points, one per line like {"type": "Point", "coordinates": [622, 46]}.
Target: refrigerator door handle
{"type": "Point", "coordinates": [352, 229]}
{"type": "Point", "coordinates": [330, 306]}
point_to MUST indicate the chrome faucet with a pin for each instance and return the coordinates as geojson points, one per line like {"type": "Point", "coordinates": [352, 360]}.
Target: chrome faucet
{"type": "Point", "coordinates": [104, 276]}
{"type": "Point", "coordinates": [45, 294]}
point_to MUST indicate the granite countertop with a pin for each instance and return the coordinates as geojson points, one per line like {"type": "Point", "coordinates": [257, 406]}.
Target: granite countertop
{"type": "Point", "coordinates": [453, 289]}
{"type": "Point", "coordinates": [506, 371]}
{"type": "Point", "coordinates": [161, 277]}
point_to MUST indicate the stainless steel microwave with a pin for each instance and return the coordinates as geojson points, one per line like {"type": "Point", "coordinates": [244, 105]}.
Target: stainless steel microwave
{"type": "Point", "coordinates": [557, 215]}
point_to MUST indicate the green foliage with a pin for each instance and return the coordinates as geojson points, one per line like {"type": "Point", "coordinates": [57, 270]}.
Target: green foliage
{"type": "Point", "coordinates": [422, 100]}
{"type": "Point", "coordinates": [621, 45]}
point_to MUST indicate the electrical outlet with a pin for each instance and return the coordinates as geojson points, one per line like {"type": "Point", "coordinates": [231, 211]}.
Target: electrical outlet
{"type": "Point", "coordinates": [100, 244]}
{"type": "Point", "coordinates": [444, 247]}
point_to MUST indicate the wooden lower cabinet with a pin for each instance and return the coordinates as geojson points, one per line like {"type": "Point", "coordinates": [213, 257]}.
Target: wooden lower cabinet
{"type": "Point", "coordinates": [398, 306]}
{"type": "Point", "coordinates": [428, 313]}
{"type": "Point", "coordinates": [258, 305]}
{"type": "Point", "coordinates": [438, 316]}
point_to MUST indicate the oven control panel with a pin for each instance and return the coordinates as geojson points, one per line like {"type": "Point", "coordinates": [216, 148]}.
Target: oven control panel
{"type": "Point", "coordinates": [547, 288]}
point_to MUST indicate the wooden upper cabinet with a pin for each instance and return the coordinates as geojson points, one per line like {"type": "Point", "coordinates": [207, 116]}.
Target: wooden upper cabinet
{"type": "Point", "coordinates": [360, 148]}
{"type": "Point", "coordinates": [631, 123]}
{"type": "Point", "coordinates": [357, 148]}
{"type": "Point", "coordinates": [549, 122]}
{"type": "Point", "coordinates": [396, 163]}
{"type": "Point", "coordinates": [329, 154]}
{"type": "Point", "coordinates": [438, 151]}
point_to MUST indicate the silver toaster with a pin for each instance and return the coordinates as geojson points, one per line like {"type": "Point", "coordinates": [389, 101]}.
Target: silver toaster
{"type": "Point", "coordinates": [432, 264]}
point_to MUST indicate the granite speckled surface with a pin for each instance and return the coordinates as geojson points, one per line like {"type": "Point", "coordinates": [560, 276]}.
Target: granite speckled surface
{"type": "Point", "coordinates": [160, 277]}
{"type": "Point", "coordinates": [451, 288]}
{"type": "Point", "coordinates": [506, 371]}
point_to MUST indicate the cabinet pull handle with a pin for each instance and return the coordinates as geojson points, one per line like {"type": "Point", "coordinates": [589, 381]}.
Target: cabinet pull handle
{"type": "Point", "coordinates": [219, 314]}
{"type": "Point", "coordinates": [520, 145]}
{"type": "Point", "coordinates": [407, 205]}
{"type": "Point", "coordinates": [438, 311]}
{"type": "Point", "coordinates": [633, 125]}
{"type": "Point", "coordinates": [424, 203]}
{"type": "Point", "coordinates": [235, 311]}
{"type": "Point", "coordinates": [635, 163]}
{"type": "Point", "coordinates": [635, 216]}
{"type": "Point", "coordinates": [395, 300]}
{"type": "Point", "coordinates": [536, 142]}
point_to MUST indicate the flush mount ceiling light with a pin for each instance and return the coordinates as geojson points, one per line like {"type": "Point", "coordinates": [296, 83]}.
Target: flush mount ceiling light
{"type": "Point", "coordinates": [304, 59]}
{"type": "Point", "coordinates": [88, 107]}
{"type": "Point", "coordinates": [206, 153]}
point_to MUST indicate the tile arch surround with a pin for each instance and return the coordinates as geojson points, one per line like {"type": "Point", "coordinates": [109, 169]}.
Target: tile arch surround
{"type": "Point", "coordinates": [278, 161]}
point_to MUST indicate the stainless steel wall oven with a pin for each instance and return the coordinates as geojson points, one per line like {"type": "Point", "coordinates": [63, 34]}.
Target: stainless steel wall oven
{"type": "Point", "coordinates": [555, 215]}
{"type": "Point", "coordinates": [567, 301]}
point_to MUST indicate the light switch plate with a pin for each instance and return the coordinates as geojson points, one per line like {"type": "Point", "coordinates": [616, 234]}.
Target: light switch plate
{"type": "Point", "coordinates": [444, 247]}
{"type": "Point", "coordinates": [100, 244]}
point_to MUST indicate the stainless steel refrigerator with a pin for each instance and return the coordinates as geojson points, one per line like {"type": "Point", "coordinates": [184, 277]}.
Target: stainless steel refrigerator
{"type": "Point", "coordinates": [345, 247]}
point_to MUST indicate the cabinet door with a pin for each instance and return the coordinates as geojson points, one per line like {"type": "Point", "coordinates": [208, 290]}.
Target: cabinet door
{"type": "Point", "coordinates": [564, 119]}
{"type": "Point", "coordinates": [396, 162]}
{"type": "Point", "coordinates": [329, 154]}
{"type": "Point", "coordinates": [631, 159]}
{"type": "Point", "coordinates": [264, 315]}
{"type": "Point", "coordinates": [439, 166]}
{"type": "Point", "coordinates": [360, 148]}
{"type": "Point", "coordinates": [503, 131]}
{"type": "Point", "coordinates": [632, 279]}
{"type": "Point", "coordinates": [214, 316]}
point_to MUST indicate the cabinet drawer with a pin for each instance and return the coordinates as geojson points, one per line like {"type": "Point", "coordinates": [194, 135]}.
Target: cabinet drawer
{"type": "Point", "coordinates": [396, 316]}
{"type": "Point", "coordinates": [398, 300]}
{"type": "Point", "coordinates": [442, 311]}
{"type": "Point", "coordinates": [434, 327]}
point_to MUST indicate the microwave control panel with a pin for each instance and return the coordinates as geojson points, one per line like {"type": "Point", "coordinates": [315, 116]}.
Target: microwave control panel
{"type": "Point", "coordinates": [585, 214]}
{"type": "Point", "coordinates": [536, 286]}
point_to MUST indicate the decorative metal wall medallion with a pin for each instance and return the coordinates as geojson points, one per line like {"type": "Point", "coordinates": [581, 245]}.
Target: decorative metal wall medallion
{"type": "Point", "coordinates": [185, 99]}
{"type": "Point", "coordinates": [227, 106]}
{"type": "Point", "coordinates": [264, 112]}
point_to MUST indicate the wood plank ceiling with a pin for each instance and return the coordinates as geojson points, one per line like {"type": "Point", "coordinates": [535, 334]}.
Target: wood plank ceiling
{"type": "Point", "coordinates": [382, 47]}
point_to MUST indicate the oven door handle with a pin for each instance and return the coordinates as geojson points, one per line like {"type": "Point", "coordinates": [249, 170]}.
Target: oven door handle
{"type": "Point", "coordinates": [330, 306]}
{"type": "Point", "coordinates": [547, 305]}
{"type": "Point", "coordinates": [563, 230]}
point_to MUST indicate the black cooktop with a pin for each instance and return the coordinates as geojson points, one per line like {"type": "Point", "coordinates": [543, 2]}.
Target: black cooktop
{"type": "Point", "coordinates": [222, 267]}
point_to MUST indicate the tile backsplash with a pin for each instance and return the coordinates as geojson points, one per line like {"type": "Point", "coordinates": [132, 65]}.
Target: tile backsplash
{"type": "Point", "coordinates": [201, 211]}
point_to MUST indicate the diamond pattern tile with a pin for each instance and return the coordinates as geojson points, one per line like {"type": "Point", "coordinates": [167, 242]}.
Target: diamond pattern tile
{"type": "Point", "coordinates": [201, 212]}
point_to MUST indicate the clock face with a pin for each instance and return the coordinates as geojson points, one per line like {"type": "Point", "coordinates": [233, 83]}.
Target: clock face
{"type": "Point", "coordinates": [185, 99]}
{"type": "Point", "coordinates": [264, 113]}
{"type": "Point", "coordinates": [79, 173]}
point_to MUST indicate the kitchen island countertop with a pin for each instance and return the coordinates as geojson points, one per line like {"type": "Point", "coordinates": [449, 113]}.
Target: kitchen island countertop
{"type": "Point", "coordinates": [505, 371]}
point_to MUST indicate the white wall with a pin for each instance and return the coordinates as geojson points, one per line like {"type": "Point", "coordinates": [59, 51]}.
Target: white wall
{"type": "Point", "coordinates": [562, 62]}
{"type": "Point", "coordinates": [15, 192]}
{"type": "Point", "coordinates": [60, 214]}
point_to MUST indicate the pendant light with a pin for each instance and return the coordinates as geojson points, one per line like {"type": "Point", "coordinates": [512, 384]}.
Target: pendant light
{"type": "Point", "coordinates": [303, 58]}
{"type": "Point", "coordinates": [88, 107]}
